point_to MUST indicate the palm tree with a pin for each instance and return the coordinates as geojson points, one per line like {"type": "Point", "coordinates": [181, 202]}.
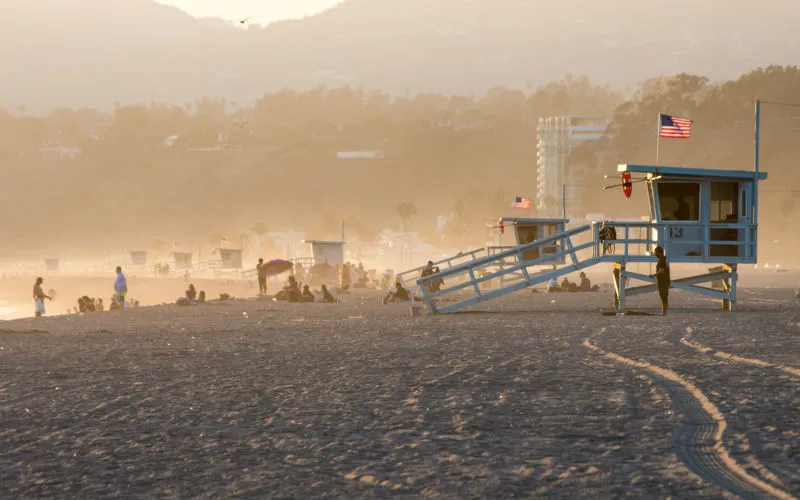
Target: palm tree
{"type": "Point", "coordinates": [406, 210]}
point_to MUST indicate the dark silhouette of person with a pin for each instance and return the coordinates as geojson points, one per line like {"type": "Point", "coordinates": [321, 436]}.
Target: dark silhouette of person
{"type": "Point", "coordinates": [307, 295]}
{"type": "Point", "coordinates": [683, 212]}
{"type": "Point", "coordinates": [585, 285]}
{"type": "Point", "coordinates": [399, 294]}
{"type": "Point", "coordinates": [262, 277]}
{"type": "Point", "coordinates": [429, 270]}
{"type": "Point", "coordinates": [663, 279]}
{"type": "Point", "coordinates": [327, 297]}
{"type": "Point", "coordinates": [191, 293]}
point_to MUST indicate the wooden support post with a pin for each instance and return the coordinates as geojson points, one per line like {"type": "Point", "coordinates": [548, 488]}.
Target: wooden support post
{"type": "Point", "coordinates": [619, 286]}
{"type": "Point", "coordinates": [474, 282]}
{"type": "Point", "coordinates": [731, 282]}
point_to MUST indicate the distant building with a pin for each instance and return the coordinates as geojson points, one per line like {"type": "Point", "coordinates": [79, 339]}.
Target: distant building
{"type": "Point", "coordinates": [53, 149]}
{"type": "Point", "coordinates": [557, 137]}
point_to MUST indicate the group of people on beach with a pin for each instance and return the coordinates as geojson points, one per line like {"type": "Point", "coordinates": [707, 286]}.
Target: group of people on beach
{"type": "Point", "coordinates": [291, 292]}
{"type": "Point", "coordinates": [585, 285]}
{"type": "Point", "coordinates": [85, 303]}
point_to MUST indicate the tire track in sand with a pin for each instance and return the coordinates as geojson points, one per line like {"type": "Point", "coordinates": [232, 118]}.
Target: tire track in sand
{"type": "Point", "coordinates": [760, 363]}
{"type": "Point", "coordinates": [699, 440]}
{"type": "Point", "coordinates": [686, 340]}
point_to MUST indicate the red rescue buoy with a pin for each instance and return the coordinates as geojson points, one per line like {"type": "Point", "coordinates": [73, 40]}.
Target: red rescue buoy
{"type": "Point", "coordinates": [627, 185]}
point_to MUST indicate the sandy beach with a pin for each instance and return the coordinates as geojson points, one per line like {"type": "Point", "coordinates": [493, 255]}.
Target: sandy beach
{"type": "Point", "coordinates": [527, 397]}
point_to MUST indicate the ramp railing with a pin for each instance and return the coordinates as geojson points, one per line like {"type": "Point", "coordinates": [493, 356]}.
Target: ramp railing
{"type": "Point", "coordinates": [408, 278]}
{"type": "Point", "coordinates": [475, 276]}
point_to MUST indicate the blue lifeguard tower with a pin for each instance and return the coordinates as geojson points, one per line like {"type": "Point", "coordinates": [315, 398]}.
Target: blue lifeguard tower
{"type": "Point", "coordinates": [138, 258]}
{"type": "Point", "coordinates": [699, 216]}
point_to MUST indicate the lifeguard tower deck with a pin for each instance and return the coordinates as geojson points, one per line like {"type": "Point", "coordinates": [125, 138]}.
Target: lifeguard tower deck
{"type": "Point", "coordinates": [698, 216]}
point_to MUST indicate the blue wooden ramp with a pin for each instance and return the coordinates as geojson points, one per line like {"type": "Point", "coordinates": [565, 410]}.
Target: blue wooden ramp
{"type": "Point", "coordinates": [486, 276]}
{"type": "Point", "coordinates": [474, 275]}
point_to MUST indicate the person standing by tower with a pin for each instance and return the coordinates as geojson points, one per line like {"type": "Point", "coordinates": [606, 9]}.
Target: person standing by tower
{"type": "Point", "coordinates": [663, 279]}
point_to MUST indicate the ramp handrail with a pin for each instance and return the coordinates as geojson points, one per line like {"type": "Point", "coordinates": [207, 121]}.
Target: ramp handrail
{"type": "Point", "coordinates": [513, 251]}
{"type": "Point", "coordinates": [402, 276]}
{"type": "Point", "coordinates": [514, 262]}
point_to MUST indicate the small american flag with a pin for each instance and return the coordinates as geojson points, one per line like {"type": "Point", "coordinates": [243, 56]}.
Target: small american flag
{"type": "Point", "coordinates": [522, 203]}
{"type": "Point", "coordinates": [672, 127]}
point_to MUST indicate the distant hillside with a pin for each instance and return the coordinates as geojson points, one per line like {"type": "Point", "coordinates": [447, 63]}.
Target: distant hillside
{"type": "Point", "coordinates": [96, 52]}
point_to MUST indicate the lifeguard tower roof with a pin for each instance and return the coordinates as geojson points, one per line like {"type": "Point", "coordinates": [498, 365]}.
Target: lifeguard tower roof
{"type": "Point", "coordinates": [690, 172]}
{"type": "Point", "coordinates": [321, 242]}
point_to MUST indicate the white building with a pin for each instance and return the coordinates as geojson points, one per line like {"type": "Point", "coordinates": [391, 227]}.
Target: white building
{"type": "Point", "coordinates": [557, 137]}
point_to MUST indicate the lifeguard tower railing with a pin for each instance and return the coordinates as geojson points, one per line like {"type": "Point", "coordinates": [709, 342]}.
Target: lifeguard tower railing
{"type": "Point", "coordinates": [525, 230]}
{"type": "Point", "coordinates": [408, 278]}
{"type": "Point", "coordinates": [585, 246]}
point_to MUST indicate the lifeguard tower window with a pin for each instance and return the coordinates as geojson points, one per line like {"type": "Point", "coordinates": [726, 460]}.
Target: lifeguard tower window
{"type": "Point", "coordinates": [724, 201]}
{"type": "Point", "coordinates": [679, 201]}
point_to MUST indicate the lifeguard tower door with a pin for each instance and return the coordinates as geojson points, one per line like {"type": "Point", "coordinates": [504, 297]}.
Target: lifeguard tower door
{"type": "Point", "coordinates": [729, 205]}
{"type": "Point", "coordinates": [527, 234]}
{"type": "Point", "coordinates": [528, 231]}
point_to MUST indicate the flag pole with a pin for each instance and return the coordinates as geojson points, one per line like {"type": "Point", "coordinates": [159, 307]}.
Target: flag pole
{"type": "Point", "coordinates": [658, 136]}
{"type": "Point", "coordinates": [756, 154]}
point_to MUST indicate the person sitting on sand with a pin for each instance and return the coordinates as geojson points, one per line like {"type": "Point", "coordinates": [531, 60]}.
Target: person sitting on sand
{"type": "Point", "coordinates": [291, 291]}
{"type": "Point", "coordinates": [565, 284]}
{"type": "Point", "coordinates": [552, 285]}
{"type": "Point", "coordinates": [400, 293]}
{"type": "Point", "coordinates": [586, 285]}
{"type": "Point", "coordinates": [327, 297]}
{"type": "Point", "coordinates": [307, 296]}
{"type": "Point", "coordinates": [98, 305]}
{"type": "Point", "coordinates": [201, 299]}
{"type": "Point", "coordinates": [85, 304]}
{"type": "Point", "coordinates": [191, 293]}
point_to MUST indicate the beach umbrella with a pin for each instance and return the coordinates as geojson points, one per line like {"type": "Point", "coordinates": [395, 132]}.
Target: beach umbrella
{"type": "Point", "coordinates": [277, 266]}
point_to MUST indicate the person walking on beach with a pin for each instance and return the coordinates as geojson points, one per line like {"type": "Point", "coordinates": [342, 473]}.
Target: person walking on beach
{"type": "Point", "coordinates": [262, 278]}
{"type": "Point", "coordinates": [39, 296]}
{"type": "Point", "coordinates": [663, 279]}
{"type": "Point", "coordinates": [120, 287]}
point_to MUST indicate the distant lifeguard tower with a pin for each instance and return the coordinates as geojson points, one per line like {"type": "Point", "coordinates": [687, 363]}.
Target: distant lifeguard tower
{"type": "Point", "coordinates": [699, 216]}
{"type": "Point", "coordinates": [326, 252]}
{"type": "Point", "coordinates": [138, 258]}
{"type": "Point", "coordinates": [183, 260]}
{"type": "Point", "coordinates": [51, 266]}
{"type": "Point", "coordinates": [231, 258]}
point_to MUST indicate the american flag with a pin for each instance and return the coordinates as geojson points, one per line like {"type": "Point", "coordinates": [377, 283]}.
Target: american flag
{"type": "Point", "coordinates": [672, 127]}
{"type": "Point", "coordinates": [522, 203]}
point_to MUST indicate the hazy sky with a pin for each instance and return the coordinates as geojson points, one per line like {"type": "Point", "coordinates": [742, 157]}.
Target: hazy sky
{"type": "Point", "coordinates": [261, 11]}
